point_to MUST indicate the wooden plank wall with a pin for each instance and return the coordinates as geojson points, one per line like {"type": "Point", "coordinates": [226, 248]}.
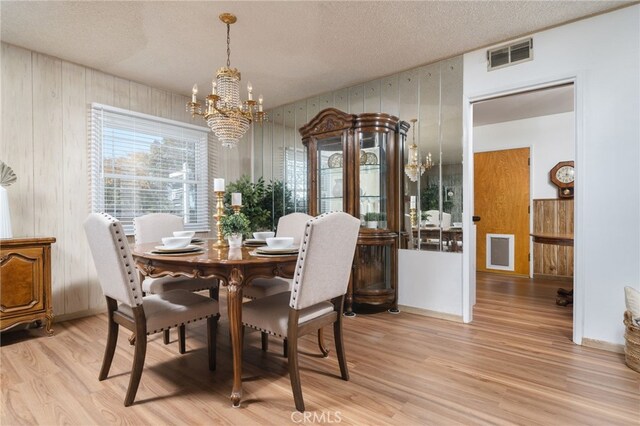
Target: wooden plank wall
{"type": "Point", "coordinates": [553, 216]}
{"type": "Point", "coordinates": [45, 105]}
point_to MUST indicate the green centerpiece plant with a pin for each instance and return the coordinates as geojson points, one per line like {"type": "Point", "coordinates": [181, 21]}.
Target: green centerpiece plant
{"type": "Point", "coordinates": [262, 203]}
{"type": "Point", "coordinates": [234, 226]}
{"type": "Point", "coordinates": [253, 195]}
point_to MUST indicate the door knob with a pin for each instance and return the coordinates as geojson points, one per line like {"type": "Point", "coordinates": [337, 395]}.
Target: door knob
{"type": "Point", "coordinates": [475, 218]}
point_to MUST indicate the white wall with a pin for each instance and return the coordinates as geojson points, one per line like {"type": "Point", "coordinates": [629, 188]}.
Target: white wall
{"type": "Point", "coordinates": [431, 282]}
{"type": "Point", "coordinates": [551, 138]}
{"type": "Point", "coordinates": [602, 54]}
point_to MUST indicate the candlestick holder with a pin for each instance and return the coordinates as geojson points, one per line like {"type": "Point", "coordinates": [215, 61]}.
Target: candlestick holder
{"type": "Point", "coordinates": [236, 209]}
{"type": "Point", "coordinates": [413, 217]}
{"type": "Point", "coordinates": [221, 242]}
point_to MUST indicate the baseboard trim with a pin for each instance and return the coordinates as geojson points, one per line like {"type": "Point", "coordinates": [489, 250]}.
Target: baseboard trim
{"type": "Point", "coordinates": [80, 314]}
{"type": "Point", "coordinates": [430, 313]}
{"type": "Point", "coordinates": [605, 346]}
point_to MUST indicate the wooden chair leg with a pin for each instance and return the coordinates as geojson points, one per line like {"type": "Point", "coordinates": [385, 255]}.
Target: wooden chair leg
{"type": "Point", "coordinates": [292, 354]}
{"type": "Point", "coordinates": [285, 348]}
{"type": "Point", "coordinates": [165, 337]}
{"type": "Point", "coordinates": [323, 349]}
{"type": "Point", "coordinates": [265, 341]}
{"type": "Point", "coordinates": [212, 329]}
{"type": "Point", "coordinates": [112, 339]}
{"type": "Point", "coordinates": [138, 356]}
{"type": "Point", "coordinates": [214, 292]}
{"type": "Point", "coordinates": [182, 344]}
{"type": "Point", "coordinates": [342, 359]}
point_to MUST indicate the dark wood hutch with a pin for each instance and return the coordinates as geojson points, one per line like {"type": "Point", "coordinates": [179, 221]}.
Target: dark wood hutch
{"type": "Point", "coordinates": [355, 166]}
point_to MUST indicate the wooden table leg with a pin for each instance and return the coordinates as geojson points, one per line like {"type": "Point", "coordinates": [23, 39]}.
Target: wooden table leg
{"type": "Point", "coordinates": [234, 306]}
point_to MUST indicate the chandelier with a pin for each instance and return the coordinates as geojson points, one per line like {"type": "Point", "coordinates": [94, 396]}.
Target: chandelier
{"type": "Point", "coordinates": [414, 169]}
{"type": "Point", "coordinates": [228, 118]}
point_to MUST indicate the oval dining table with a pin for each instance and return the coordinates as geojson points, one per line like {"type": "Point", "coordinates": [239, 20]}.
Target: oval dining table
{"type": "Point", "coordinates": [234, 267]}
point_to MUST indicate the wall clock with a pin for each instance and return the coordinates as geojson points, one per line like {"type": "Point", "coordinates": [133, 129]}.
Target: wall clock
{"type": "Point", "coordinates": [563, 175]}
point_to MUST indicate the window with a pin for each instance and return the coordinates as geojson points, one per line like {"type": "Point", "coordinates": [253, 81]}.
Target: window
{"type": "Point", "coordinates": [143, 164]}
{"type": "Point", "coordinates": [295, 169]}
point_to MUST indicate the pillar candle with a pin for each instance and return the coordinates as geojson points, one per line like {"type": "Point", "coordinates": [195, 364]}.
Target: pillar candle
{"type": "Point", "coordinates": [218, 185]}
{"type": "Point", "coordinates": [413, 202]}
{"type": "Point", "coordinates": [236, 199]}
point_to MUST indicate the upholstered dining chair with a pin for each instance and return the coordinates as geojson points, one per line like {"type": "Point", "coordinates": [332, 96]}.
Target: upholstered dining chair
{"type": "Point", "coordinates": [127, 307]}
{"type": "Point", "coordinates": [316, 299]}
{"type": "Point", "coordinates": [291, 225]}
{"type": "Point", "coordinates": [152, 228]}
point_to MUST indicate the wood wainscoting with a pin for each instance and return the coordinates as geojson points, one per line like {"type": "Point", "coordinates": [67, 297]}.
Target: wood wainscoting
{"type": "Point", "coordinates": [553, 216]}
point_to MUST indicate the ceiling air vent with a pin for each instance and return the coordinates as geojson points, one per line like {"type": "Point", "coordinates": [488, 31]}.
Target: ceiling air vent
{"type": "Point", "coordinates": [510, 55]}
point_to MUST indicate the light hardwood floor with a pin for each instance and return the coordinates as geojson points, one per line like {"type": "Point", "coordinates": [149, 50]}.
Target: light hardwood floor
{"type": "Point", "coordinates": [514, 364]}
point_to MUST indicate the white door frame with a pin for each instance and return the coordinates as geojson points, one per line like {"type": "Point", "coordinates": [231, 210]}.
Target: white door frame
{"type": "Point", "coordinates": [469, 252]}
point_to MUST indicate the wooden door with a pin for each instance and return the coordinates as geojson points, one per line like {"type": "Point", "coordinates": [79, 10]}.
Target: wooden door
{"type": "Point", "coordinates": [501, 192]}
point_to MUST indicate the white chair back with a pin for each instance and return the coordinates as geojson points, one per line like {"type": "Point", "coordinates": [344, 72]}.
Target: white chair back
{"type": "Point", "coordinates": [116, 270]}
{"type": "Point", "coordinates": [325, 258]}
{"type": "Point", "coordinates": [293, 225]}
{"type": "Point", "coordinates": [153, 227]}
{"type": "Point", "coordinates": [446, 221]}
{"type": "Point", "coordinates": [433, 217]}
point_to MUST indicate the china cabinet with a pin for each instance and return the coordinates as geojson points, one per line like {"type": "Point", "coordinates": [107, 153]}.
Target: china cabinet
{"type": "Point", "coordinates": [354, 164]}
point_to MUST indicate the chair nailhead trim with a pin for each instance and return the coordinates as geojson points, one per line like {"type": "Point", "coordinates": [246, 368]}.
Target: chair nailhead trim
{"type": "Point", "coordinates": [272, 333]}
{"type": "Point", "coordinates": [123, 251]}
{"type": "Point", "coordinates": [182, 323]}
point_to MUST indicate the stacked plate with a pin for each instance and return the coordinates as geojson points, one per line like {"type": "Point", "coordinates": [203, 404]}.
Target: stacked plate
{"type": "Point", "coordinates": [272, 251]}
{"type": "Point", "coordinates": [197, 241]}
{"type": "Point", "coordinates": [254, 242]}
{"type": "Point", "coordinates": [190, 249]}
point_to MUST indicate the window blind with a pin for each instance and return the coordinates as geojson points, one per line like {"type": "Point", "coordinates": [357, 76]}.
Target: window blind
{"type": "Point", "coordinates": [143, 164]}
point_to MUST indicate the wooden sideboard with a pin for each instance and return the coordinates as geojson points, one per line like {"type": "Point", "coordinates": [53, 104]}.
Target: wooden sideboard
{"type": "Point", "coordinates": [25, 281]}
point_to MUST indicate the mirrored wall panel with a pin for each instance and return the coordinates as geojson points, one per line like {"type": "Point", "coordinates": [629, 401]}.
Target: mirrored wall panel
{"type": "Point", "coordinates": [432, 95]}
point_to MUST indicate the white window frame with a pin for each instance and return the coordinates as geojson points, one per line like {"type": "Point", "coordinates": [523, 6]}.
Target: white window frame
{"type": "Point", "coordinates": [97, 173]}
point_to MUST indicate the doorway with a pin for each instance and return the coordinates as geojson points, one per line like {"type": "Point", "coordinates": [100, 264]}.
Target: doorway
{"type": "Point", "coordinates": [541, 121]}
{"type": "Point", "coordinates": [501, 195]}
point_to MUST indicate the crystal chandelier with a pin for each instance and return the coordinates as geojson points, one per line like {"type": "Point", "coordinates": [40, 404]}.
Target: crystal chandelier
{"type": "Point", "coordinates": [228, 118]}
{"type": "Point", "coordinates": [414, 169]}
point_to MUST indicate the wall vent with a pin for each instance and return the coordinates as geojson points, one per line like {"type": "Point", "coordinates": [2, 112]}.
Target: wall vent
{"type": "Point", "coordinates": [512, 54]}
{"type": "Point", "coordinates": [501, 252]}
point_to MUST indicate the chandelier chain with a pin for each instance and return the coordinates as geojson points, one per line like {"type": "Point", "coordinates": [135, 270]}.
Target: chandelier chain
{"type": "Point", "coordinates": [228, 46]}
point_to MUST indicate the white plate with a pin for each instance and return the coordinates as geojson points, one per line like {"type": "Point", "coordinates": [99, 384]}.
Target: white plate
{"type": "Point", "coordinates": [186, 249]}
{"type": "Point", "coordinates": [276, 250]}
{"type": "Point", "coordinates": [255, 241]}
{"type": "Point", "coordinates": [177, 253]}
{"type": "Point", "coordinates": [256, 253]}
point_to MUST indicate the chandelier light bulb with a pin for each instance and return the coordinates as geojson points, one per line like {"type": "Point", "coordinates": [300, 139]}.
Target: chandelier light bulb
{"type": "Point", "coordinates": [249, 89]}
{"type": "Point", "coordinates": [194, 92]}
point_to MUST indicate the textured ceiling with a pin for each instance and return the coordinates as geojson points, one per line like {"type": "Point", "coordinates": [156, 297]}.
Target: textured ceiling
{"type": "Point", "coordinates": [288, 50]}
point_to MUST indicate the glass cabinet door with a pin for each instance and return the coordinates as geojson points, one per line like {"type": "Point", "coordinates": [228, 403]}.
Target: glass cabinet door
{"type": "Point", "coordinates": [373, 179]}
{"type": "Point", "coordinates": [331, 166]}
{"type": "Point", "coordinates": [374, 266]}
